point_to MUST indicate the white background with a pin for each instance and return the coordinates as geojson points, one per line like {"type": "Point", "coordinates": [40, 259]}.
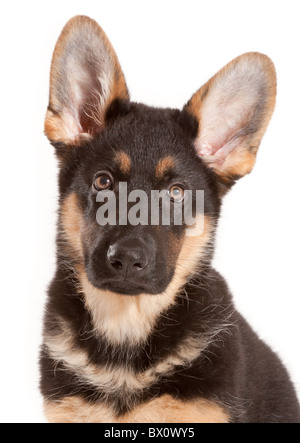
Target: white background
{"type": "Point", "coordinates": [167, 49]}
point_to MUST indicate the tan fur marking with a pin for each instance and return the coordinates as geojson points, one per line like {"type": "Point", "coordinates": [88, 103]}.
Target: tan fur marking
{"type": "Point", "coordinates": [71, 219]}
{"type": "Point", "coordinates": [122, 318]}
{"type": "Point", "coordinates": [238, 164]}
{"type": "Point", "coordinates": [122, 380]}
{"type": "Point", "coordinates": [167, 409]}
{"type": "Point", "coordinates": [164, 409]}
{"type": "Point", "coordinates": [164, 166]}
{"type": "Point", "coordinates": [124, 162]}
{"type": "Point", "coordinates": [76, 410]}
{"type": "Point", "coordinates": [193, 249]}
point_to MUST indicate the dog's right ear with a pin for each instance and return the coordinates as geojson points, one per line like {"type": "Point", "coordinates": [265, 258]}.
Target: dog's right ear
{"type": "Point", "coordinates": [86, 78]}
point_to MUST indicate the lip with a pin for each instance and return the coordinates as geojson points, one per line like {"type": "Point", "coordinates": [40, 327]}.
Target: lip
{"type": "Point", "coordinates": [125, 287]}
{"type": "Point", "coordinates": [121, 287]}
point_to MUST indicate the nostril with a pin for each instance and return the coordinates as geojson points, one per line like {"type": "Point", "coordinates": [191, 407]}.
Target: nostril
{"type": "Point", "coordinates": [113, 258]}
{"type": "Point", "coordinates": [140, 266]}
{"type": "Point", "coordinates": [116, 264]}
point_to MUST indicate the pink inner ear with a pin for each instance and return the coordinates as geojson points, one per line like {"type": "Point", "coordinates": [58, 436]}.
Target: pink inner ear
{"type": "Point", "coordinates": [222, 127]}
{"type": "Point", "coordinates": [205, 150]}
{"type": "Point", "coordinates": [228, 108]}
{"type": "Point", "coordinates": [219, 150]}
{"type": "Point", "coordinates": [219, 130]}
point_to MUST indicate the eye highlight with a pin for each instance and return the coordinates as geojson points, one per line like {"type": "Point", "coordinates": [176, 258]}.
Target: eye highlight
{"type": "Point", "coordinates": [176, 193]}
{"type": "Point", "coordinates": [103, 182]}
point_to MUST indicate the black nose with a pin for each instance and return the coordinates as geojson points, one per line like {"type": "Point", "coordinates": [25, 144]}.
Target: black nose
{"type": "Point", "coordinates": [128, 258]}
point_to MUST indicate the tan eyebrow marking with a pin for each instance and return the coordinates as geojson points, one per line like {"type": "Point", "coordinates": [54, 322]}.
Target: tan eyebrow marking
{"type": "Point", "coordinates": [164, 166]}
{"type": "Point", "coordinates": [124, 162]}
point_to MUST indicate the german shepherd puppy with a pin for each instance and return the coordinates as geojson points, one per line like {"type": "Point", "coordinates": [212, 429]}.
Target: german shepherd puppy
{"type": "Point", "coordinates": [138, 325]}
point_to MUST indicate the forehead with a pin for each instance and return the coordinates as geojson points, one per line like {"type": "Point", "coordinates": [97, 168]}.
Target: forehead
{"type": "Point", "coordinates": [149, 142]}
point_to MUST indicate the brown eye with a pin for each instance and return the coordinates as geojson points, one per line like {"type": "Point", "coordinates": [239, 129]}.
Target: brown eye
{"type": "Point", "coordinates": [176, 193]}
{"type": "Point", "coordinates": [103, 182]}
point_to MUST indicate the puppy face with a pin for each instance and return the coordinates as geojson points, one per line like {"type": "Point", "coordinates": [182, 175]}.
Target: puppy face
{"type": "Point", "coordinates": [106, 144]}
{"type": "Point", "coordinates": [142, 149]}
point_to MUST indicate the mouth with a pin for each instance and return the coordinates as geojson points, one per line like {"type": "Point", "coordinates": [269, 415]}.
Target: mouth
{"type": "Point", "coordinates": [125, 286]}
{"type": "Point", "coordinates": [122, 287]}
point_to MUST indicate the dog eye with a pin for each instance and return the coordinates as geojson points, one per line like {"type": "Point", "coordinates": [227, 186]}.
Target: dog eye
{"type": "Point", "coordinates": [176, 193]}
{"type": "Point", "coordinates": [103, 182]}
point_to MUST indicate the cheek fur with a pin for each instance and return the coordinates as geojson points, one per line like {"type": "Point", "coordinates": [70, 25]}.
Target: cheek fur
{"type": "Point", "coordinates": [194, 250]}
{"type": "Point", "coordinates": [71, 222]}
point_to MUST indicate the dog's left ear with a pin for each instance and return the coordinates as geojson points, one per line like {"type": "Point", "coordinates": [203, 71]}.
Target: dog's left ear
{"type": "Point", "coordinates": [233, 110]}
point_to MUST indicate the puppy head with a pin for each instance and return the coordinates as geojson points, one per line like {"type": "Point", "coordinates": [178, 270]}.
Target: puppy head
{"type": "Point", "coordinates": [109, 148]}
